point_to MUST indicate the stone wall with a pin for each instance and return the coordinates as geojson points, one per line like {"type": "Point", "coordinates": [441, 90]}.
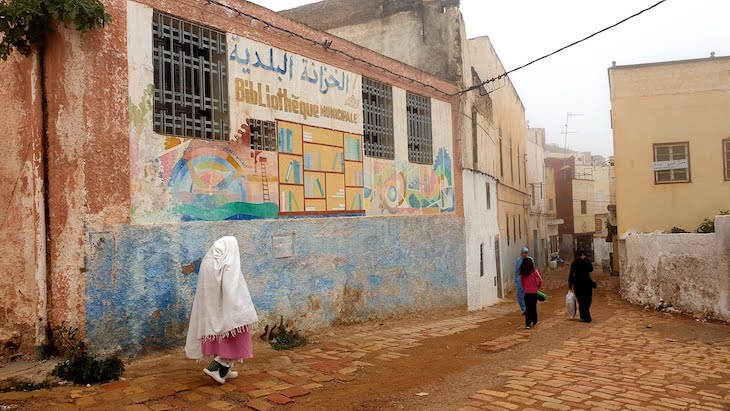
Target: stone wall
{"type": "Point", "coordinates": [689, 271]}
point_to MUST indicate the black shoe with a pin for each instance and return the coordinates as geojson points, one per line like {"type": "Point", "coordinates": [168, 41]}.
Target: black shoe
{"type": "Point", "coordinates": [523, 313]}
{"type": "Point", "coordinates": [584, 321]}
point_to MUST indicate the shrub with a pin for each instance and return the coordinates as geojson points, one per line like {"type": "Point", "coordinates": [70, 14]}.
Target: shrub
{"type": "Point", "coordinates": [677, 230]}
{"type": "Point", "coordinates": [80, 367]}
{"type": "Point", "coordinates": [708, 224]}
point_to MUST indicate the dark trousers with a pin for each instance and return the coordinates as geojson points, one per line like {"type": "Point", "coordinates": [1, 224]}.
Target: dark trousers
{"type": "Point", "coordinates": [585, 298]}
{"type": "Point", "coordinates": [530, 309]}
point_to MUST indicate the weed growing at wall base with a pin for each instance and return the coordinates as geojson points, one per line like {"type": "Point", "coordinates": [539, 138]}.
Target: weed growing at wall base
{"type": "Point", "coordinates": [78, 366]}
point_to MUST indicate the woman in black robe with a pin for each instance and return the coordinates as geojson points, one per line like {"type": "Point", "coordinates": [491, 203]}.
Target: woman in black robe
{"type": "Point", "coordinates": [582, 284]}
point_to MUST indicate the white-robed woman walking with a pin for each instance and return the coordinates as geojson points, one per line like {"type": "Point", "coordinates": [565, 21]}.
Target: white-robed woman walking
{"type": "Point", "coordinates": [223, 313]}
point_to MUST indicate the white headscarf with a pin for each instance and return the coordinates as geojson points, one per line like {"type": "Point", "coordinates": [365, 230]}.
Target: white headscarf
{"type": "Point", "coordinates": [222, 306]}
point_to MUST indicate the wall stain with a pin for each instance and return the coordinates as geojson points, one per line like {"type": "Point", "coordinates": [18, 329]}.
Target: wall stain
{"type": "Point", "coordinates": [314, 303]}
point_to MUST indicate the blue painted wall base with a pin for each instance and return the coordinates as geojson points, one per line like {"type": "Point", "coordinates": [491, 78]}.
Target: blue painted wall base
{"type": "Point", "coordinates": [141, 279]}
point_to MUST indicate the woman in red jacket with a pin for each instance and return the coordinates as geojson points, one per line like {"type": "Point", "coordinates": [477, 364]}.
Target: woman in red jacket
{"type": "Point", "coordinates": [531, 282]}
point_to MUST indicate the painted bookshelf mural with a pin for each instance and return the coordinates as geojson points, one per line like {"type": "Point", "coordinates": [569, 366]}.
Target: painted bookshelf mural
{"type": "Point", "coordinates": [320, 171]}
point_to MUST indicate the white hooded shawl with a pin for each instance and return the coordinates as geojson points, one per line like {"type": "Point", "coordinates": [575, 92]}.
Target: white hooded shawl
{"type": "Point", "coordinates": [222, 306]}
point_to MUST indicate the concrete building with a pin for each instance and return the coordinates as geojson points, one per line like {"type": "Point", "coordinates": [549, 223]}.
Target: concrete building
{"type": "Point", "coordinates": [552, 221]}
{"type": "Point", "coordinates": [430, 35]}
{"type": "Point", "coordinates": [588, 182]}
{"type": "Point", "coordinates": [538, 219]}
{"type": "Point", "coordinates": [671, 132]}
{"type": "Point", "coordinates": [337, 169]}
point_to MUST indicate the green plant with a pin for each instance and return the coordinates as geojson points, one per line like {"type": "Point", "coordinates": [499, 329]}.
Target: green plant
{"type": "Point", "coordinates": [287, 338]}
{"type": "Point", "coordinates": [676, 230]}
{"type": "Point", "coordinates": [80, 367]}
{"type": "Point", "coordinates": [25, 23]}
{"type": "Point", "coordinates": [708, 224]}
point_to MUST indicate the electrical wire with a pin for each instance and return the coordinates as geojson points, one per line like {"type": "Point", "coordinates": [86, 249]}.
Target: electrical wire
{"type": "Point", "coordinates": [326, 44]}
{"type": "Point", "coordinates": [506, 73]}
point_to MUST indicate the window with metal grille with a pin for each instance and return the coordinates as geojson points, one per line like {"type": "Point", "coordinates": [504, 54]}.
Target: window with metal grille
{"type": "Point", "coordinates": [726, 151]}
{"type": "Point", "coordinates": [191, 86]}
{"type": "Point", "coordinates": [420, 146]}
{"type": "Point", "coordinates": [377, 108]}
{"type": "Point", "coordinates": [263, 135]}
{"type": "Point", "coordinates": [583, 206]}
{"type": "Point", "coordinates": [673, 155]}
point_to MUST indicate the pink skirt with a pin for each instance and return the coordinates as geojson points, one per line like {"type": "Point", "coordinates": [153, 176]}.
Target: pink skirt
{"type": "Point", "coordinates": [231, 348]}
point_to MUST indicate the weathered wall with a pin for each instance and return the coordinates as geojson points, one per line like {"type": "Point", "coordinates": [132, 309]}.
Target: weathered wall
{"type": "Point", "coordinates": [319, 172]}
{"type": "Point", "coordinates": [385, 26]}
{"type": "Point", "coordinates": [482, 235]}
{"type": "Point", "coordinates": [689, 271]}
{"type": "Point", "coordinates": [140, 276]}
{"type": "Point", "coordinates": [22, 239]}
{"type": "Point", "coordinates": [669, 102]}
{"type": "Point", "coordinates": [141, 280]}
{"type": "Point", "coordinates": [88, 151]}
{"type": "Point", "coordinates": [537, 219]}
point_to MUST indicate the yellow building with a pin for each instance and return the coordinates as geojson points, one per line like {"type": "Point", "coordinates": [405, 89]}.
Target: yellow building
{"type": "Point", "coordinates": [671, 132]}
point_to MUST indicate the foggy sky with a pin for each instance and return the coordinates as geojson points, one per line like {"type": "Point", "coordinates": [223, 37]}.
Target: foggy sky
{"type": "Point", "coordinates": [576, 79]}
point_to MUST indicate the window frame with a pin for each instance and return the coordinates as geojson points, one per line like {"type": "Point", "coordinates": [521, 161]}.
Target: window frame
{"type": "Point", "coordinates": [726, 158]}
{"type": "Point", "coordinates": [420, 128]}
{"type": "Point", "coordinates": [689, 163]}
{"type": "Point", "coordinates": [180, 51]}
{"type": "Point", "coordinates": [377, 119]}
{"type": "Point", "coordinates": [583, 207]}
{"type": "Point", "coordinates": [271, 140]}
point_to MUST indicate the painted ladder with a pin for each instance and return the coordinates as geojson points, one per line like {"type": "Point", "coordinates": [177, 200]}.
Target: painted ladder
{"type": "Point", "coordinates": [265, 180]}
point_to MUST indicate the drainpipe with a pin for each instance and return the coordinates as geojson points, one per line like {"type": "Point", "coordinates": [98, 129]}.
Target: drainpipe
{"type": "Point", "coordinates": [40, 176]}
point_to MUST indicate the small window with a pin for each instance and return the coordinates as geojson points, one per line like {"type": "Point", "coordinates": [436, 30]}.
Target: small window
{"type": "Point", "coordinates": [551, 205]}
{"type": "Point", "coordinates": [677, 153]}
{"type": "Point", "coordinates": [519, 222]}
{"type": "Point", "coordinates": [481, 260]}
{"type": "Point", "coordinates": [511, 162]}
{"type": "Point", "coordinates": [489, 197]}
{"type": "Point", "coordinates": [532, 193]}
{"type": "Point", "coordinates": [514, 228]}
{"type": "Point", "coordinates": [190, 79]}
{"type": "Point", "coordinates": [263, 135]}
{"type": "Point", "coordinates": [377, 108]}
{"type": "Point", "coordinates": [507, 218]}
{"type": "Point", "coordinates": [726, 151]}
{"type": "Point", "coordinates": [420, 146]}
{"type": "Point", "coordinates": [501, 156]}
{"type": "Point", "coordinates": [519, 173]}
{"type": "Point", "coordinates": [583, 206]}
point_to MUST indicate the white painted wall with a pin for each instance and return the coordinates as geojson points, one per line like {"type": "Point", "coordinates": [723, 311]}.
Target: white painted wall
{"type": "Point", "coordinates": [689, 271]}
{"type": "Point", "coordinates": [481, 228]}
{"type": "Point", "coordinates": [601, 250]}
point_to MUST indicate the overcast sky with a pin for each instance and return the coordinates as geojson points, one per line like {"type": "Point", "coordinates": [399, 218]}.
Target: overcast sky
{"type": "Point", "coordinates": [576, 80]}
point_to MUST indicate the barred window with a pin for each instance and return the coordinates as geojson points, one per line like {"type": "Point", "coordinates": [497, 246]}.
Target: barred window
{"type": "Point", "coordinates": [377, 108]}
{"type": "Point", "coordinates": [726, 151]}
{"type": "Point", "coordinates": [191, 86]}
{"type": "Point", "coordinates": [419, 129]}
{"type": "Point", "coordinates": [263, 135]}
{"type": "Point", "coordinates": [675, 158]}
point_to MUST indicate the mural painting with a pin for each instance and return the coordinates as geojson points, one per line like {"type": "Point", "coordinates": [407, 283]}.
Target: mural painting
{"type": "Point", "coordinates": [312, 162]}
{"type": "Point", "coordinates": [395, 187]}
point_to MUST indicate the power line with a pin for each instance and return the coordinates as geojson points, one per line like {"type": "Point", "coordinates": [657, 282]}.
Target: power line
{"type": "Point", "coordinates": [476, 86]}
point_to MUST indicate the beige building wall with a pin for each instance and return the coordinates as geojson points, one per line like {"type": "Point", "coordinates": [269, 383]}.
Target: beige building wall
{"type": "Point", "coordinates": [670, 102]}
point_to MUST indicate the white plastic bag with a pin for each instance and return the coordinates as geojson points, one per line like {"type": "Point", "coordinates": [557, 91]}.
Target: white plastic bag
{"type": "Point", "coordinates": [570, 306]}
